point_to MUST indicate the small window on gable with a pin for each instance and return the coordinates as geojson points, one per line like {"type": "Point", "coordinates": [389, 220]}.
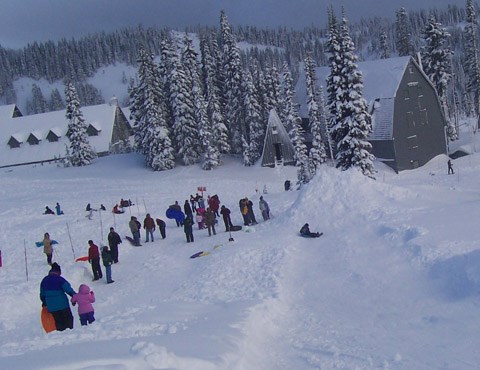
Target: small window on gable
{"type": "Point", "coordinates": [33, 140]}
{"type": "Point", "coordinates": [13, 143]}
{"type": "Point", "coordinates": [407, 94]}
{"type": "Point", "coordinates": [52, 136]}
{"type": "Point", "coordinates": [410, 70]}
{"type": "Point", "coordinates": [92, 131]}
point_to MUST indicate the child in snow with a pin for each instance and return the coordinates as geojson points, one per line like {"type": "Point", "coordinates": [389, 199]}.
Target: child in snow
{"type": "Point", "coordinates": [85, 297]}
{"type": "Point", "coordinates": [200, 220]}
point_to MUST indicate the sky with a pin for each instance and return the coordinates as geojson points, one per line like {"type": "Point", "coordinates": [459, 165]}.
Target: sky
{"type": "Point", "coordinates": [392, 284]}
{"type": "Point", "coordinates": [26, 21]}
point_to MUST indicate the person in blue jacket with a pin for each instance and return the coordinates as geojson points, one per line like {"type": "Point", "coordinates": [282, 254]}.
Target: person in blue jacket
{"type": "Point", "coordinates": [53, 294]}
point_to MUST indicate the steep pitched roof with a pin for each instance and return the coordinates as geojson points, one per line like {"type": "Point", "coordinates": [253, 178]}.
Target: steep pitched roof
{"type": "Point", "coordinates": [276, 134]}
{"type": "Point", "coordinates": [99, 116]}
{"type": "Point", "coordinates": [7, 112]}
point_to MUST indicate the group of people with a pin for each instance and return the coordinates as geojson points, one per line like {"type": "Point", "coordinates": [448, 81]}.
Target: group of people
{"type": "Point", "coordinates": [49, 211]}
{"type": "Point", "coordinates": [53, 295]}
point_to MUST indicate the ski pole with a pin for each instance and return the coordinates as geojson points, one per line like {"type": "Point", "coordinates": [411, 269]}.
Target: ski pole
{"type": "Point", "coordinates": [138, 209]}
{"type": "Point", "coordinates": [26, 265]}
{"type": "Point", "coordinates": [101, 225]}
{"type": "Point", "coordinates": [71, 244]}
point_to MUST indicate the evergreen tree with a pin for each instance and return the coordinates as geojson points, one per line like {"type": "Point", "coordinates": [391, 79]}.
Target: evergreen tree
{"type": "Point", "coordinates": [317, 118]}
{"type": "Point", "coordinates": [233, 86]}
{"type": "Point", "coordinates": [353, 123]}
{"type": "Point", "coordinates": [80, 152]}
{"type": "Point", "coordinates": [254, 122]}
{"type": "Point", "coordinates": [402, 32]}
{"type": "Point", "coordinates": [184, 126]}
{"type": "Point", "coordinates": [56, 102]}
{"type": "Point", "coordinates": [151, 134]}
{"type": "Point", "coordinates": [472, 63]}
{"type": "Point", "coordinates": [212, 93]}
{"type": "Point", "coordinates": [191, 67]}
{"type": "Point", "coordinates": [436, 64]}
{"type": "Point", "coordinates": [39, 102]}
{"type": "Point", "coordinates": [384, 49]}
{"type": "Point", "coordinates": [294, 123]}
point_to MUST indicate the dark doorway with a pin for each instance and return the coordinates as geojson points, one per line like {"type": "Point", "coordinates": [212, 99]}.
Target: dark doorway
{"type": "Point", "coordinates": [278, 151]}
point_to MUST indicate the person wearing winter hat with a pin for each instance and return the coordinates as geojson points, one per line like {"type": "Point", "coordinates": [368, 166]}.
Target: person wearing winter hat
{"type": "Point", "coordinates": [85, 297]}
{"type": "Point", "coordinates": [94, 259]}
{"type": "Point", "coordinates": [53, 294]}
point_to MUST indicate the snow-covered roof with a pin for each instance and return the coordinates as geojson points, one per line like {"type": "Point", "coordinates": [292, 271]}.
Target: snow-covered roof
{"type": "Point", "coordinates": [381, 79]}
{"type": "Point", "coordinates": [99, 116]}
{"type": "Point", "coordinates": [6, 112]}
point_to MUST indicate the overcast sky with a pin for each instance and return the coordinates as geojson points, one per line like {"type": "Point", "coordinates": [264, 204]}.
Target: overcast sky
{"type": "Point", "coordinates": [25, 21]}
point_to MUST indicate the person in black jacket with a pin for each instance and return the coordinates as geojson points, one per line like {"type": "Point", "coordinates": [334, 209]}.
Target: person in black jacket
{"type": "Point", "coordinates": [161, 227]}
{"type": "Point", "coordinates": [188, 210]}
{"type": "Point", "coordinates": [113, 241]}
{"type": "Point", "coordinates": [188, 228]}
{"type": "Point", "coordinates": [225, 212]}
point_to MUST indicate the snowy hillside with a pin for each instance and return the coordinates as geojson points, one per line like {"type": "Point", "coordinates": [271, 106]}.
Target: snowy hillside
{"type": "Point", "coordinates": [393, 283]}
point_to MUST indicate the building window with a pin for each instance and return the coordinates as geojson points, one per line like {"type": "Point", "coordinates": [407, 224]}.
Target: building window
{"type": "Point", "coordinates": [412, 142]}
{"type": "Point", "coordinates": [410, 120]}
{"type": "Point", "coordinates": [406, 94]}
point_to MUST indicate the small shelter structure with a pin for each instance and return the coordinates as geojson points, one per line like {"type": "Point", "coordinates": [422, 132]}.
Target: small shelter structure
{"type": "Point", "coordinates": [277, 148]}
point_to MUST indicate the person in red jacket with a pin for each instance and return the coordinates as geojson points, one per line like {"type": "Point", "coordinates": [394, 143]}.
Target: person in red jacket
{"type": "Point", "coordinates": [94, 259]}
{"type": "Point", "coordinates": [149, 226]}
{"type": "Point", "coordinates": [214, 204]}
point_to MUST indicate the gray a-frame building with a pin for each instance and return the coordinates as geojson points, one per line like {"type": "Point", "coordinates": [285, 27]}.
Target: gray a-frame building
{"type": "Point", "coordinates": [277, 148]}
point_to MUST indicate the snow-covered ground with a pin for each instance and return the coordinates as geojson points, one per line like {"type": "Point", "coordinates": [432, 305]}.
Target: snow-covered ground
{"type": "Point", "coordinates": [393, 284]}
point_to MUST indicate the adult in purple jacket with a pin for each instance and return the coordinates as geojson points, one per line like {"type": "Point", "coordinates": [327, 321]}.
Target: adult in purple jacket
{"type": "Point", "coordinates": [53, 294]}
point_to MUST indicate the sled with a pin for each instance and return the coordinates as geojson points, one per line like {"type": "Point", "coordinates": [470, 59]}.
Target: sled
{"type": "Point", "coordinates": [176, 215]}
{"type": "Point", "coordinates": [317, 235]}
{"type": "Point", "coordinates": [40, 244]}
{"type": "Point", "coordinates": [236, 228]}
{"type": "Point", "coordinates": [82, 259]}
{"type": "Point", "coordinates": [205, 253]}
{"type": "Point", "coordinates": [48, 322]}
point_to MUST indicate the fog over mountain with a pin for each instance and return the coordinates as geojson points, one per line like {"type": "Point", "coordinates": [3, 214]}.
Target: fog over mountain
{"type": "Point", "coordinates": [25, 21]}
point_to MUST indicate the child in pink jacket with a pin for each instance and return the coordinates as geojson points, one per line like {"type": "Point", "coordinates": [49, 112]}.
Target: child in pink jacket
{"type": "Point", "coordinates": [85, 297]}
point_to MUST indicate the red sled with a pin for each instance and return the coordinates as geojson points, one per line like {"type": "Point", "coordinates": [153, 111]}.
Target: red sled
{"type": "Point", "coordinates": [80, 259]}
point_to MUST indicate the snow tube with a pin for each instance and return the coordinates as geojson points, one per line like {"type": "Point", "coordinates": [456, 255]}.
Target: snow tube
{"type": "Point", "coordinates": [173, 214]}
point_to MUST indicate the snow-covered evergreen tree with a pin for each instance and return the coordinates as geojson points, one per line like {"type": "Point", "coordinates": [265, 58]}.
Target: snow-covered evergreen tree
{"type": "Point", "coordinates": [293, 123]}
{"type": "Point", "coordinates": [271, 86]}
{"type": "Point", "coordinates": [56, 102]}
{"type": "Point", "coordinates": [402, 31]}
{"type": "Point", "coordinates": [39, 103]}
{"type": "Point", "coordinates": [317, 153]}
{"type": "Point", "coordinates": [212, 93]}
{"type": "Point", "coordinates": [254, 122]}
{"type": "Point", "coordinates": [353, 123]}
{"type": "Point", "coordinates": [472, 63]}
{"type": "Point", "coordinates": [152, 135]}
{"type": "Point", "coordinates": [384, 49]}
{"type": "Point", "coordinates": [80, 152]}
{"type": "Point", "coordinates": [233, 86]}
{"type": "Point", "coordinates": [436, 62]}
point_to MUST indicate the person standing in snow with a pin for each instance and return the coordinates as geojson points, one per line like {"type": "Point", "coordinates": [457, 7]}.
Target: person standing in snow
{"type": "Point", "coordinates": [107, 262]}
{"type": "Point", "coordinates": [94, 259]}
{"type": "Point", "coordinates": [188, 229]}
{"type": "Point", "coordinates": [113, 241]}
{"type": "Point", "coordinates": [244, 211]}
{"type": "Point", "coordinates": [193, 203]}
{"type": "Point", "coordinates": [188, 210]}
{"type": "Point", "coordinates": [58, 209]}
{"type": "Point", "coordinates": [264, 208]}
{"type": "Point", "coordinates": [53, 291]}
{"type": "Point", "coordinates": [450, 167]}
{"type": "Point", "coordinates": [251, 215]}
{"type": "Point", "coordinates": [134, 228]}
{"type": "Point", "coordinates": [84, 298]}
{"type": "Point", "coordinates": [149, 226]}
{"type": "Point", "coordinates": [210, 221]}
{"type": "Point", "coordinates": [225, 212]}
{"type": "Point", "coordinates": [47, 248]}
{"type": "Point", "coordinates": [162, 227]}
{"type": "Point", "coordinates": [214, 204]}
